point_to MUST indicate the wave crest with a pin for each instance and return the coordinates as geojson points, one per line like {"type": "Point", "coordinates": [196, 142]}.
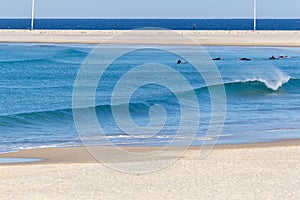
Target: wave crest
{"type": "Point", "coordinates": [256, 86]}
{"type": "Point", "coordinates": [271, 84]}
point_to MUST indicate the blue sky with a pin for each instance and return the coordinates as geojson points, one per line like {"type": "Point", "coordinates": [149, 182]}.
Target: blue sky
{"type": "Point", "coordinates": [150, 9]}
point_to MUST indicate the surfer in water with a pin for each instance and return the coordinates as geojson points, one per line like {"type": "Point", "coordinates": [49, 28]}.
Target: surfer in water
{"type": "Point", "coordinates": [272, 58]}
{"type": "Point", "coordinates": [219, 58]}
{"type": "Point", "coordinates": [283, 57]}
{"type": "Point", "coordinates": [244, 59]}
{"type": "Point", "coordinates": [179, 62]}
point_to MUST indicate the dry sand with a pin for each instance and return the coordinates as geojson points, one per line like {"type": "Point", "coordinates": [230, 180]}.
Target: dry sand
{"type": "Point", "coordinates": [259, 171]}
{"type": "Point", "coordinates": [232, 38]}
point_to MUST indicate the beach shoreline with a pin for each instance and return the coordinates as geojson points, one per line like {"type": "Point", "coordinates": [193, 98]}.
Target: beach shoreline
{"type": "Point", "coordinates": [79, 154]}
{"type": "Point", "coordinates": [154, 37]}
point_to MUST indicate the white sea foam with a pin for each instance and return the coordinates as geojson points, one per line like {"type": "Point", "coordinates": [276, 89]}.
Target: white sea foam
{"type": "Point", "coordinates": [273, 80]}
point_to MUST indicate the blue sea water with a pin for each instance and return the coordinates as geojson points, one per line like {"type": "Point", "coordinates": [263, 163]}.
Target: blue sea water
{"type": "Point", "coordinates": [36, 85]}
{"type": "Point", "coordinates": [172, 24]}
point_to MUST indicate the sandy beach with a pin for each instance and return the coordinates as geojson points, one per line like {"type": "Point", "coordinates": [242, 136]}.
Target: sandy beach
{"type": "Point", "coordinates": [162, 37]}
{"type": "Point", "coordinates": [255, 171]}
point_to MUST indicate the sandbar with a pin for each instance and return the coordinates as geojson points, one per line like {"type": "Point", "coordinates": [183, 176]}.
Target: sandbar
{"type": "Point", "coordinates": [155, 37]}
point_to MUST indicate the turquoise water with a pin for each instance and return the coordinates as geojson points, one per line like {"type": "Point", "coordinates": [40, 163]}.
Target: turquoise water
{"type": "Point", "coordinates": [36, 88]}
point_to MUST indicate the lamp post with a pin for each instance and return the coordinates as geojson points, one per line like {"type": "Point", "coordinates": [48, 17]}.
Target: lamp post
{"type": "Point", "coordinates": [32, 16]}
{"type": "Point", "coordinates": [254, 18]}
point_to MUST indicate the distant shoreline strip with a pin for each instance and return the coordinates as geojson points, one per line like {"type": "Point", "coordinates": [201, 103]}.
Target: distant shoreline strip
{"type": "Point", "coordinates": [155, 37]}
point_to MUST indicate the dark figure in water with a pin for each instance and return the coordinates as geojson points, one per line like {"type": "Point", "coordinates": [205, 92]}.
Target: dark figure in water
{"type": "Point", "coordinates": [219, 58]}
{"type": "Point", "coordinates": [272, 58]}
{"type": "Point", "coordinates": [244, 59]}
{"type": "Point", "coordinates": [180, 62]}
{"type": "Point", "coordinates": [283, 57]}
{"type": "Point", "coordinates": [194, 27]}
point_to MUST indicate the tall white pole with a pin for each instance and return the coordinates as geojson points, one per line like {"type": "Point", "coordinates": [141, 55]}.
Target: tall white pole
{"type": "Point", "coordinates": [254, 18]}
{"type": "Point", "coordinates": [32, 15]}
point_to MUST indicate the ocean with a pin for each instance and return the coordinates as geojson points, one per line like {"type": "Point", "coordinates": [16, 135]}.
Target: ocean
{"type": "Point", "coordinates": [37, 80]}
{"type": "Point", "coordinates": [172, 24]}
